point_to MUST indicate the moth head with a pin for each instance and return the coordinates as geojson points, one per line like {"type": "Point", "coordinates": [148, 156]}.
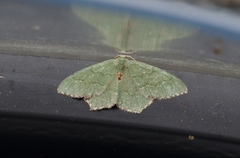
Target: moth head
{"type": "Point", "coordinates": [121, 63]}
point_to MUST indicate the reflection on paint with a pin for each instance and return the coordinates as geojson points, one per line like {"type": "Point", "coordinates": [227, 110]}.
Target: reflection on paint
{"type": "Point", "coordinates": [129, 33]}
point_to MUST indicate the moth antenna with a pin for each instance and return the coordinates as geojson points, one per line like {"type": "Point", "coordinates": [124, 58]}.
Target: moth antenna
{"type": "Point", "coordinates": [124, 56]}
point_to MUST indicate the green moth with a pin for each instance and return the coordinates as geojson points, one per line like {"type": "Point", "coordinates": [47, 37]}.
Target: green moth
{"type": "Point", "coordinates": [129, 84]}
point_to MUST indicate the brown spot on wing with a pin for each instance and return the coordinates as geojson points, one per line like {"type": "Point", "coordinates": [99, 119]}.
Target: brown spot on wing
{"type": "Point", "coordinates": [120, 75]}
